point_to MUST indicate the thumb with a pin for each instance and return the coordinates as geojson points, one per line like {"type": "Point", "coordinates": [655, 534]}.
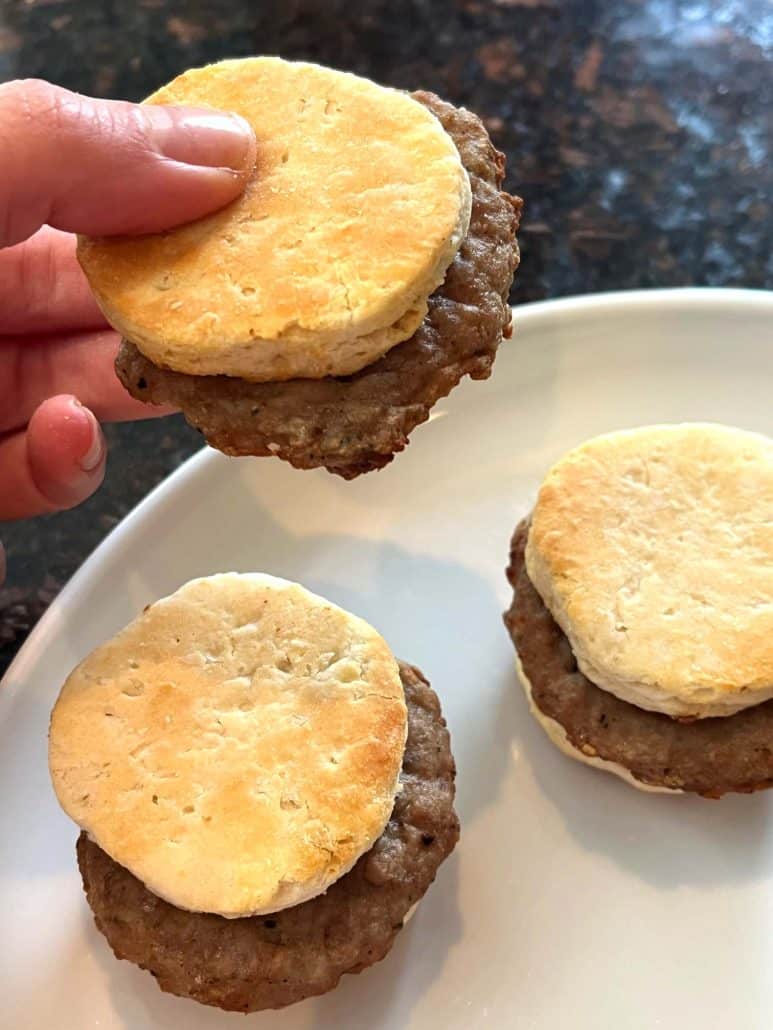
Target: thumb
{"type": "Point", "coordinates": [105, 167]}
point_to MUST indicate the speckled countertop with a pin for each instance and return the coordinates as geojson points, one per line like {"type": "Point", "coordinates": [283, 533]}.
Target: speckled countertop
{"type": "Point", "coordinates": [639, 132]}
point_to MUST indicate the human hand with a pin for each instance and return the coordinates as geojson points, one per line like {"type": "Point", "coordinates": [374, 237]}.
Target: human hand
{"type": "Point", "coordinates": [73, 164]}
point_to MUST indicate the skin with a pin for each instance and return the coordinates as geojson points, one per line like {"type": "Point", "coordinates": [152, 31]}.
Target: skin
{"type": "Point", "coordinates": [72, 164]}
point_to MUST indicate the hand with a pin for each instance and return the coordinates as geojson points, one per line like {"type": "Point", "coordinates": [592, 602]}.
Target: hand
{"type": "Point", "coordinates": [73, 164]}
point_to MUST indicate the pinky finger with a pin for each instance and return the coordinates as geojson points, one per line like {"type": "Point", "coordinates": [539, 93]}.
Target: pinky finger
{"type": "Point", "coordinates": [57, 462]}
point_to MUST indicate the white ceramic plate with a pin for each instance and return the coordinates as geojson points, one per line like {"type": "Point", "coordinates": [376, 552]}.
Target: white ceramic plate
{"type": "Point", "coordinates": [572, 900]}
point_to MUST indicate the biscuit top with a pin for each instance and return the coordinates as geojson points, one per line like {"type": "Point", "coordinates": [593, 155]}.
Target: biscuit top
{"type": "Point", "coordinates": [357, 206]}
{"type": "Point", "coordinates": [237, 747]}
{"type": "Point", "coordinates": [653, 550]}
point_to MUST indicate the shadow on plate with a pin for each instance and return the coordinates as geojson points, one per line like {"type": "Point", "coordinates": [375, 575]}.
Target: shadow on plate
{"type": "Point", "coordinates": [667, 841]}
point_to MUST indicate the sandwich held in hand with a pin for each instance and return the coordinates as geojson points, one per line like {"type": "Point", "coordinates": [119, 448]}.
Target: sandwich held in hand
{"type": "Point", "coordinates": [235, 759]}
{"type": "Point", "coordinates": [643, 607]}
{"type": "Point", "coordinates": [364, 271]}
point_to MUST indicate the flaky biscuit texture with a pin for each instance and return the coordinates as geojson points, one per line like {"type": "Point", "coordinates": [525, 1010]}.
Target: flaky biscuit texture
{"type": "Point", "coordinates": [653, 550]}
{"type": "Point", "coordinates": [237, 747]}
{"type": "Point", "coordinates": [357, 206]}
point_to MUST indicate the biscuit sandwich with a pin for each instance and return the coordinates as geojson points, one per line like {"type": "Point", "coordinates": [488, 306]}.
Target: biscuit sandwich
{"type": "Point", "coordinates": [643, 607]}
{"type": "Point", "coordinates": [264, 793]}
{"type": "Point", "coordinates": [364, 271]}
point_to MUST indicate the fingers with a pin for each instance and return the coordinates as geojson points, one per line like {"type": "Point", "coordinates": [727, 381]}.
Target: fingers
{"type": "Point", "coordinates": [42, 287]}
{"type": "Point", "coordinates": [82, 364]}
{"type": "Point", "coordinates": [104, 167]}
{"type": "Point", "coordinates": [56, 463]}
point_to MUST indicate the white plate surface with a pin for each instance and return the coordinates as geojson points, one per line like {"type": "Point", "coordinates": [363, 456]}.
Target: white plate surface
{"type": "Point", "coordinates": [572, 900]}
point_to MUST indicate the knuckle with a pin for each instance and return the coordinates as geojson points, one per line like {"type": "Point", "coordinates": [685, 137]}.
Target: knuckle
{"type": "Point", "coordinates": [30, 98]}
{"type": "Point", "coordinates": [34, 115]}
{"type": "Point", "coordinates": [135, 129]}
{"type": "Point", "coordinates": [35, 107]}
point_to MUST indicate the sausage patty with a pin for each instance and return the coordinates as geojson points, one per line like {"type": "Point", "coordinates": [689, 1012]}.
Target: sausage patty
{"type": "Point", "coordinates": [711, 756]}
{"type": "Point", "coordinates": [263, 962]}
{"type": "Point", "coordinates": [354, 424]}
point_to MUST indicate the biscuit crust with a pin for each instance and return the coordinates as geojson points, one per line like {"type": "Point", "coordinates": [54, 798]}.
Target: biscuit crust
{"type": "Point", "coordinates": [356, 208]}
{"type": "Point", "coordinates": [653, 550]}
{"type": "Point", "coordinates": [237, 746]}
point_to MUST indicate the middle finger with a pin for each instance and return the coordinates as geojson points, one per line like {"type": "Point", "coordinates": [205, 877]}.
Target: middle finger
{"type": "Point", "coordinates": [42, 287]}
{"type": "Point", "coordinates": [33, 369]}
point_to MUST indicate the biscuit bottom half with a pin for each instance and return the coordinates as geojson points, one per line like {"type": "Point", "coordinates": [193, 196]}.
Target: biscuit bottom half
{"type": "Point", "coordinates": [710, 757]}
{"type": "Point", "coordinates": [269, 961]}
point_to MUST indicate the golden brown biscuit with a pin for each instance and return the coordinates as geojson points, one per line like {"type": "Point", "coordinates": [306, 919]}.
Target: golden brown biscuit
{"type": "Point", "coordinates": [237, 747]}
{"type": "Point", "coordinates": [358, 204]}
{"type": "Point", "coordinates": [653, 550]}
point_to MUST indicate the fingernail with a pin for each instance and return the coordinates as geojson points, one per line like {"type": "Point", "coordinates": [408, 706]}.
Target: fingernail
{"type": "Point", "coordinates": [199, 136]}
{"type": "Point", "coordinates": [95, 453]}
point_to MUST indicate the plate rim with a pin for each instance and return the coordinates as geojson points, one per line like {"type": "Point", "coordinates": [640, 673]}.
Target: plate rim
{"type": "Point", "coordinates": [692, 299]}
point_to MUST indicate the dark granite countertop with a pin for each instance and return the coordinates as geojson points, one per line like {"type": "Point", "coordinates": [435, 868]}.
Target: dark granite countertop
{"type": "Point", "coordinates": [639, 132]}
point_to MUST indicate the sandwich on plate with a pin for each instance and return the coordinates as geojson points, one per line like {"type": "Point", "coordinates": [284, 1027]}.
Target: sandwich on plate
{"type": "Point", "coordinates": [643, 607]}
{"type": "Point", "coordinates": [264, 792]}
